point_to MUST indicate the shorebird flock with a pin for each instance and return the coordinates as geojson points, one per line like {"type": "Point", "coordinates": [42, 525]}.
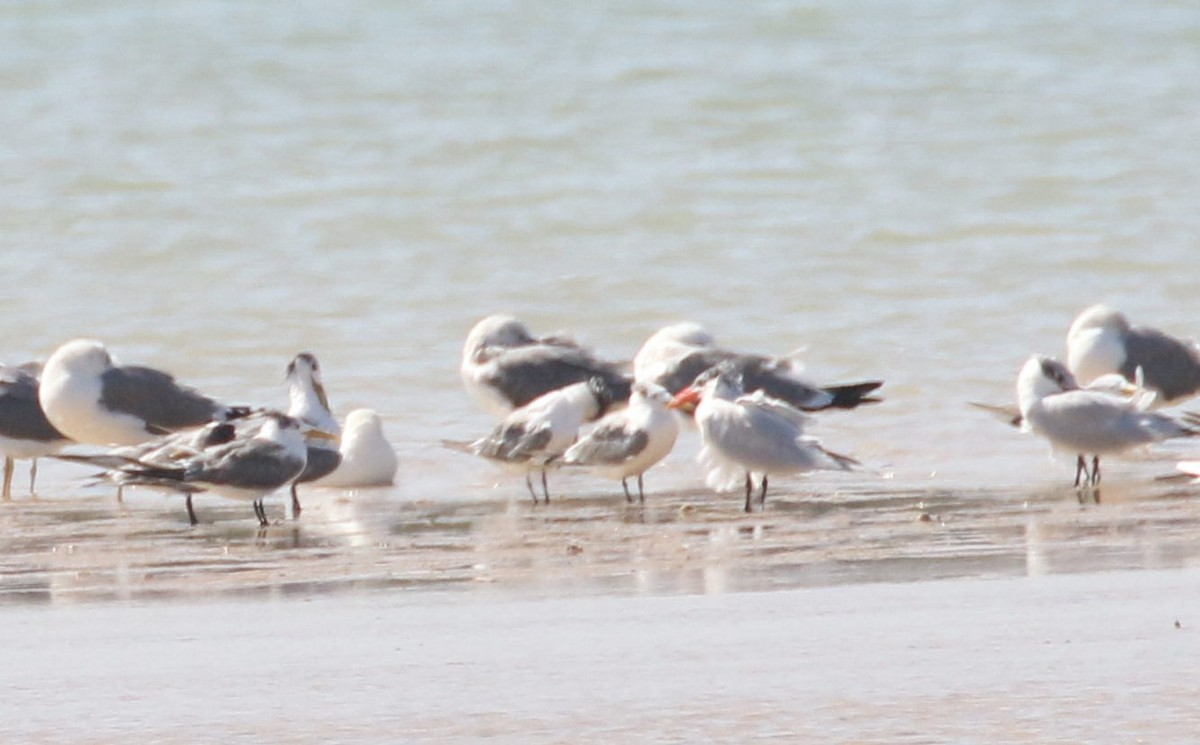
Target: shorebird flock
{"type": "Point", "coordinates": [751, 410]}
{"type": "Point", "coordinates": [159, 433]}
{"type": "Point", "coordinates": [560, 405]}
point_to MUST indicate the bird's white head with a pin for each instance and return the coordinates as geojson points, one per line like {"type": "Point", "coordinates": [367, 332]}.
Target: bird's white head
{"type": "Point", "coordinates": [495, 331]}
{"type": "Point", "coordinates": [666, 345]}
{"type": "Point", "coordinates": [304, 367]}
{"type": "Point", "coordinates": [306, 394]}
{"type": "Point", "coordinates": [723, 381]}
{"type": "Point", "coordinates": [81, 356]}
{"type": "Point", "coordinates": [287, 429]}
{"type": "Point", "coordinates": [650, 393]}
{"type": "Point", "coordinates": [276, 424]}
{"type": "Point", "coordinates": [1041, 377]}
{"type": "Point", "coordinates": [687, 332]}
{"type": "Point", "coordinates": [1097, 317]}
{"type": "Point", "coordinates": [363, 423]}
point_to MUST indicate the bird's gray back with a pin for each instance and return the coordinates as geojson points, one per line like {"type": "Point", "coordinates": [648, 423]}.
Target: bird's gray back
{"type": "Point", "coordinates": [610, 445]}
{"type": "Point", "coordinates": [690, 366]}
{"type": "Point", "coordinates": [1168, 364]}
{"type": "Point", "coordinates": [257, 465]}
{"type": "Point", "coordinates": [21, 415]}
{"type": "Point", "coordinates": [1087, 422]}
{"type": "Point", "coordinates": [155, 396]}
{"type": "Point", "coordinates": [515, 443]}
{"type": "Point", "coordinates": [526, 373]}
{"type": "Point", "coordinates": [774, 377]}
{"type": "Point", "coordinates": [768, 374]}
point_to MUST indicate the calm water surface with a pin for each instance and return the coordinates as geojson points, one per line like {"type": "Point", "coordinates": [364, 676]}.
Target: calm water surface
{"type": "Point", "coordinates": [922, 192]}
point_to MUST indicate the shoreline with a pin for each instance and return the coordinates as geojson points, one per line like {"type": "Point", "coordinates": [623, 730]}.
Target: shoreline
{"type": "Point", "coordinates": [90, 549]}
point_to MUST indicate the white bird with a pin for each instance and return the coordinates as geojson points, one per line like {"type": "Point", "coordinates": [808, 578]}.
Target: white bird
{"type": "Point", "coordinates": [504, 367]}
{"type": "Point", "coordinates": [534, 436]}
{"type": "Point", "coordinates": [248, 467]}
{"type": "Point", "coordinates": [308, 402]}
{"type": "Point", "coordinates": [94, 401]}
{"type": "Point", "coordinates": [1113, 384]}
{"type": "Point", "coordinates": [25, 432]}
{"type": "Point", "coordinates": [1102, 341]}
{"type": "Point", "coordinates": [628, 442]}
{"type": "Point", "coordinates": [751, 434]}
{"type": "Point", "coordinates": [368, 459]}
{"type": "Point", "coordinates": [674, 356]}
{"type": "Point", "coordinates": [1087, 422]}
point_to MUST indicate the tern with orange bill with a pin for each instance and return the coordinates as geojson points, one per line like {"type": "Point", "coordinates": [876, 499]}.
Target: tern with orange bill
{"type": "Point", "coordinates": [751, 435]}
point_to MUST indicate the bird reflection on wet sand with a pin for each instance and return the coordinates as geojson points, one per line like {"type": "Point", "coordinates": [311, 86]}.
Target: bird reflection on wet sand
{"type": "Point", "coordinates": [683, 541]}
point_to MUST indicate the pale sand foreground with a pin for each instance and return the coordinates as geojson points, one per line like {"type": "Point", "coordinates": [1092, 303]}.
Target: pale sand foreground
{"type": "Point", "coordinates": [1068, 658]}
{"type": "Point", "coordinates": [848, 616]}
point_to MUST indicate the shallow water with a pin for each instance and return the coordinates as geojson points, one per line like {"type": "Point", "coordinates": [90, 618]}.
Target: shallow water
{"type": "Point", "coordinates": [923, 193]}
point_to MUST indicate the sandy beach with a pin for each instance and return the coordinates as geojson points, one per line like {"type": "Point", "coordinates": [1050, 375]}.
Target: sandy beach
{"type": "Point", "coordinates": [1103, 657]}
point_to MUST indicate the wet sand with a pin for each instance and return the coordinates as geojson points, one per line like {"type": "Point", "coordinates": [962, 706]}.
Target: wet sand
{"type": "Point", "coordinates": [858, 616]}
{"type": "Point", "coordinates": [1104, 657]}
{"type": "Point", "coordinates": [79, 545]}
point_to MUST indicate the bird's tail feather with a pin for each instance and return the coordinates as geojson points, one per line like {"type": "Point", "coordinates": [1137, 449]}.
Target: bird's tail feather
{"type": "Point", "coordinates": [1009, 414]}
{"type": "Point", "coordinates": [843, 462]}
{"type": "Point", "coordinates": [853, 395]}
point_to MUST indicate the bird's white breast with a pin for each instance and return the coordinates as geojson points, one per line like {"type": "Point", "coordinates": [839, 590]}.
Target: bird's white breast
{"type": "Point", "coordinates": [1094, 352]}
{"type": "Point", "coordinates": [71, 401]}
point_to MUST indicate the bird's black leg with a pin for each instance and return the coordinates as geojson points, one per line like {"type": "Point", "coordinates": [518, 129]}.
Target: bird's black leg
{"type": "Point", "coordinates": [529, 485]}
{"type": "Point", "coordinates": [261, 512]}
{"type": "Point", "coordinates": [641, 492]}
{"type": "Point", "coordinates": [762, 496]}
{"type": "Point", "coordinates": [191, 511]}
{"type": "Point", "coordinates": [1095, 470]}
{"type": "Point", "coordinates": [32, 477]}
{"type": "Point", "coordinates": [1080, 469]}
{"type": "Point", "coordinates": [749, 490]}
{"type": "Point", "coordinates": [295, 502]}
{"type": "Point", "coordinates": [625, 486]}
{"type": "Point", "coordinates": [545, 489]}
